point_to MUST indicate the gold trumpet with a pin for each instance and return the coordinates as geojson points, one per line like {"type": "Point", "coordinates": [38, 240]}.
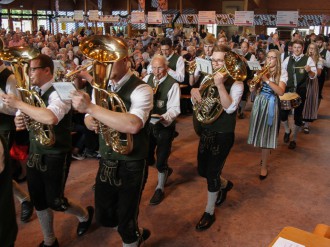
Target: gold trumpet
{"type": "Point", "coordinates": [256, 82]}
{"type": "Point", "coordinates": [72, 74]}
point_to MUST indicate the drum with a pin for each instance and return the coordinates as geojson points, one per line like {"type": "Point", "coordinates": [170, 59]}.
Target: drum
{"type": "Point", "coordinates": [290, 101]}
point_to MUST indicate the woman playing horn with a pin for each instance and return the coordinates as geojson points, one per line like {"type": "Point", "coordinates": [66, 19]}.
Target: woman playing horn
{"type": "Point", "coordinates": [264, 120]}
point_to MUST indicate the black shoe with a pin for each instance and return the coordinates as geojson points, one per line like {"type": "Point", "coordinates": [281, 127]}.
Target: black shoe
{"type": "Point", "coordinates": [144, 236]}
{"type": "Point", "coordinates": [157, 197]}
{"type": "Point", "coordinates": [292, 145]}
{"type": "Point", "coordinates": [83, 226]}
{"type": "Point", "coordinates": [55, 244]}
{"type": "Point", "coordinates": [286, 137]}
{"type": "Point", "coordinates": [263, 177]}
{"type": "Point", "coordinates": [176, 134]}
{"type": "Point", "coordinates": [223, 193]}
{"type": "Point", "coordinates": [241, 115]}
{"type": "Point", "coordinates": [26, 211]}
{"type": "Point", "coordinates": [205, 222]}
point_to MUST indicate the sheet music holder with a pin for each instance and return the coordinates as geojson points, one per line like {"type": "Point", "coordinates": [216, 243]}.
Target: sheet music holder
{"type": "Point", "coordinates": [205, 66]}
{"type": "Point", "coordinates": [64, 89]}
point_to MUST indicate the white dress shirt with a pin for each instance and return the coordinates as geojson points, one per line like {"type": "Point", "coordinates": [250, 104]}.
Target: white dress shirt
{"type": "Point", "coordinates": [326, 61]}
{"type": "Point", "coordinates": [235, 93]}
{"type": "Point", "coordinates": [310, 63]}
{"type": "Point", "coordinates": [173, 102]}
{"type": "Point", "coordinates": [178, 73]}
{"type": "Point", "coordinates": [141, 98]}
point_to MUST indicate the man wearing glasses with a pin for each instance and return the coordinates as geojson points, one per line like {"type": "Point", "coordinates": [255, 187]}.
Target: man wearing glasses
{"type": "Point", "coordinates": [48, 166]}
{"type": "Point", "coordinates": [165, 110]}
{"type": "Point", "coordinates": [217, 138]}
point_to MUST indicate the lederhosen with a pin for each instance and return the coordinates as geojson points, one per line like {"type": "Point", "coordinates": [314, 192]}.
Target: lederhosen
{"type": "Point", "coordinates": [297, 79]}
{"type": "Point", "coordinates": [121, 178]}
{"type": "Point", "coordinates": [160, 136]}
{"type": "Point", "coordinates": [323, 75]}
{"type": "Point", "coordinates": [48, 166]}
{"type": "Point", "coordinates": [216, 141]}
{"type": "Point", "coordinates": [7, 125]}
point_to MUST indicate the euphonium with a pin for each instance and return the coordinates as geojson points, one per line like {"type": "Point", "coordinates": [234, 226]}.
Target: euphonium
{"type": "Point", "coordinates": [104, 51]}
{"type": "Point", "coordinates": [210, 108]}
{"type": "Point", "coordinates": [256, 82]}
{"type": "Point", "coordinates": [19, 58]}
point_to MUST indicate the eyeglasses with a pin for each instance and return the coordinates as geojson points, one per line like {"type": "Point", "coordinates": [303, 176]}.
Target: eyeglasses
{"type": "Point", "coordinates": [271, 58]}
{"type": "Point", "coordinates": [158, 68]}
{"type": "Point", "coordinates": [217, 61]}
{"type": "Point", "coordinates": [35, 68]}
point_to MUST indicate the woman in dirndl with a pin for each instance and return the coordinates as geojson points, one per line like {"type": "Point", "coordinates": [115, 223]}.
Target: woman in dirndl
{"type": "Point", "coordinates": [312, 88]}
{"type": "Point", "coordinates": [264, 119]}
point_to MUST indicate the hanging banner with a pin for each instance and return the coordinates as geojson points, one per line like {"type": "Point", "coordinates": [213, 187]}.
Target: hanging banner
{"type": "Point", "coordinates": [206, 17]}
{"type": "Point", "coordinates": [109, 18]}
{"type": "Point", "coordinates": [93, 15]}
{"type": "Point", "coordinates": [244, 18]}
{"type": "Point", "coordinates": [155, 17]}
{"type": "Point", "coordinates": [137, 18]}
{"type": "Point", "coordinates": [78, 15]}
{"type": "Point", "coordinates": [287, 18]}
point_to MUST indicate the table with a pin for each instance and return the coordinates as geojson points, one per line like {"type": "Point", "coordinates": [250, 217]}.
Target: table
{"type": "Point", "coordinates": [302, 237]}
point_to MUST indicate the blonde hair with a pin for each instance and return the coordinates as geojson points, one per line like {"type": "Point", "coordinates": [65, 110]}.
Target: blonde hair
{"type": "Point", "coordinates": [316, 55]}
{"type": "Point", "coordinates": [277, 72]}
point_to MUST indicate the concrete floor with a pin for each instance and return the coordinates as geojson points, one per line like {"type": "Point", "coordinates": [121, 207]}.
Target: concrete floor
{"type": "Point", "coordinates": [295, 193]}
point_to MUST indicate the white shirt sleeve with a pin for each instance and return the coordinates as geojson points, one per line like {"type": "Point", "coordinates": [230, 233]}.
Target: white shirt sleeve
{"type": "Point", "coordinates": [178, 74]}
{"type": "Point", "coordinates": [142, 102]}
{"type": "Point", "coordinates": [284, 76]}
{"type": "Point", "coordinates": [172, 106]}
{"type": "Point", "coordinates": [311, 63]}
{"type": "Point", "coordinates": [57, 106]}
{"type": "Point", "coordinates": [327, 59]}
{"type": "Point", "coordinates": [235, 93]}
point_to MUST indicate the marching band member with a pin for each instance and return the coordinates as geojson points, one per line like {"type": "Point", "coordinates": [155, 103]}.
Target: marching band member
{"type": "Point", "coordinates": [217, 139]}
{"type": "Point", "coordinates": [121, 177]}
{"type": "Point", "coordinates": [48, 167]}
{"type": "Point", "coordinates": [299, 67]}
{"type": "Point", "coordinates": [167, 108]}
{"type": "Point", "coordinates": [264, 119]}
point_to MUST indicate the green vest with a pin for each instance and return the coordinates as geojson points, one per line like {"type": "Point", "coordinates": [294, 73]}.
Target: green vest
{"type": "Point", "coordinates": [6, 121]}
{"type": "Point", "coordinates": [62, 131]}
{"type": "Point", "coordinates": [301, 74]}
{"type": "Point", "coordinates": [172, 61]}
{"type": "Point", "coordinates": [140, 140]}
{"type": "Point", "coordinates": [226, 122]}
{"type": "Point", "coordinates": [160, 98]}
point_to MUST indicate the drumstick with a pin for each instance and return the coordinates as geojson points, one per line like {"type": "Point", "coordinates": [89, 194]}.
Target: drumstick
{"type": "Point", "coordinates": [302, 67]}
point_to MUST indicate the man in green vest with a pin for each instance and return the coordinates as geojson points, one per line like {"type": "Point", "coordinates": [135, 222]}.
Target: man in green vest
{"type": "Point", "coordinates": [175, 61]}
{"type": "Point", "coordinates": [162, 125]}
{"type": "Point", "coordinates": [48, 166]}
{"type": "Point", "coordinates": [217, 138]}
{"type": "Point", "coordinates": [325, 54]}
{"type": "Point", "coordinates": [121, 177]}
{"type": "Point", "coordinates": [299, 68]}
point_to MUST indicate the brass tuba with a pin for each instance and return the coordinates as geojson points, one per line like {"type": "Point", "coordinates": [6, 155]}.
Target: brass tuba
{"type": "Point", "coordinates": [104, 51]}
{"type": "Point", "coordinates": [19, 58]}
{"type": "Point", "coordinates": [210, 108]}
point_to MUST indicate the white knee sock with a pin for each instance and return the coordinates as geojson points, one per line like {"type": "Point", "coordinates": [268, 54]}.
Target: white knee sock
{"type": "Point", "coordinates": [295, 132]}
{"type": "Point", "coordinates": [135, 244]}
{"type": "Point", "coordinates": [46, 218]}
{"type": "Point", "coordinates": [211, 199]}
{"type": "Point", "coordinates": [161, 180]}
{"type": "Point", "coordinates": [286, 126]}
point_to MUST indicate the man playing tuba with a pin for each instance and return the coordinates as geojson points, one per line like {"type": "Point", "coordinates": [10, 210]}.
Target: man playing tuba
{"type": "Point", "coordinates": [48, 166]}
{"type": "Point", "coordinates": [121, 176]}
{"type": "Point", "coordinates": [217, 138]}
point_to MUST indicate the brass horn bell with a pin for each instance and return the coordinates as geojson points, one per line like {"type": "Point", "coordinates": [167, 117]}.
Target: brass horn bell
{"type": "Point", "coordinates": [104, 51]}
